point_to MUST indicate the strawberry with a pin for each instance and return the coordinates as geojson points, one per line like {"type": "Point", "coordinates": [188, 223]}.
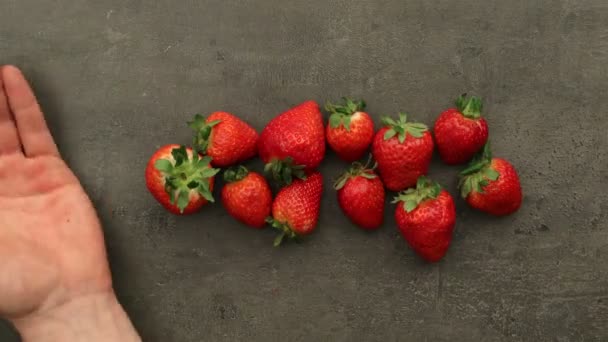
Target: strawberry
{"type": "Point", "coordinates": [293, 143]}
{"type": "Point", "coordinates": [350, 130]}
{"type": "Point", "coordinates": [296, 208]}
{"type": "Point", "coordinates": [180, 179]}
{"type": "Point", "coordinates": [491, 184]}
{"type": "Point", "coordinates": [461, 132]}
{"type": "Point", "coordinates": [403, 151]}
{"type": "Point", "coordinates": [426, 216]}
{"type": "Point", "coordinates": [247, 196]}
{"type": "Point", "coordinates": [227, 139]}
{"type": "Point", "coordinates": [361, 196]}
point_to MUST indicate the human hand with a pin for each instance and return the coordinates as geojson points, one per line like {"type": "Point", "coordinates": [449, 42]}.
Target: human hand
{"type": "Point", "coordinates": [55, 281]}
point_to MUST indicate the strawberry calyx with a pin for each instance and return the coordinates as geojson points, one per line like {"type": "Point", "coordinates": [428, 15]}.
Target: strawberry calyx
{"type": "Point", "coordinates": [478, 173]}
{"type": "Point", "coordinates": [284, 170]}
{"type": "Point", "coordinates": [183, 175]}
{"type": "Point", "coordinates": [202, 132]}
{"type": "Point", "coordinates": [357, 169]}
{"type": "Point", "coordinates": [235, 174]}
{"type": "Point", "coordinates": [285, 231]}
{"type": "Point", "coordinates": [340, 115]}
{"type": "Point", "coordinates": [470, 107]}
{"type": "Point", "coordinates": [402, 128]}
{"type": "Point", "coordinates": [425, 189]}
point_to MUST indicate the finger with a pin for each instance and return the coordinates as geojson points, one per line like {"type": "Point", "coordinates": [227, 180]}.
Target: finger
{"type": "Point", "coordinates": [9, 140]}
{"type": "Point", "coordinates": [31, 126]}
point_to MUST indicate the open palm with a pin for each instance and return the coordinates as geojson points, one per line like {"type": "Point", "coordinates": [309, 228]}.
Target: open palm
{"type": "Point", "coordinates": [51, 245]}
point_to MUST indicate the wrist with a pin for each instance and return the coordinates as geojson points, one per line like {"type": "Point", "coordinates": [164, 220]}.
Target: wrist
{"type": "Point", "coordinates": [97, 317]}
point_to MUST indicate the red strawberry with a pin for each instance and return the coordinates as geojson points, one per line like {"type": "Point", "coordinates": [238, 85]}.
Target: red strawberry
{"type": "Point", "coordinates": [426, 216]}
{"type": "Point", "coordinates": [361, 196]}
{"type": "Point", "coordinates": [461, 132]}
{"type": "Point", "coordinates": [403, 151]}
{"type": "Point", "coordinates": [225, 138]}
{"type": "Point", "coordinates": [181, 180]}
{"type": "Point", "coordinates": [350, 130]}
{"type": "Point", "coordinates": [247, 196]}
{"type": "Point", "coordinates": [293, 142]}
{"type": "Point", "coordinates": [491, 185]}
{"type": "Point", "coordinates": [296, 208]}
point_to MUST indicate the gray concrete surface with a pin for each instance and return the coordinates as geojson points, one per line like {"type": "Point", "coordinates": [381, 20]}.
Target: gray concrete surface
{"type": "Point", "coordinates": [119, 78]}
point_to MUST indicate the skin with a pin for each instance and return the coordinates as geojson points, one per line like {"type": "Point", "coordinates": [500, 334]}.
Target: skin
{"type": "Point", "coordinates": [55, 283]}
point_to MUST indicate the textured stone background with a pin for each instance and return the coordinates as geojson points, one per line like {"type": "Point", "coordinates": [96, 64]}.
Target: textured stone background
{"type": "Point", "coordinates": [119, 78]}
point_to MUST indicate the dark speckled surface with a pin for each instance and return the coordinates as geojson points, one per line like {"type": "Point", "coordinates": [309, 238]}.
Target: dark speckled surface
{"type": "Point", "coordinates": [119, 78]}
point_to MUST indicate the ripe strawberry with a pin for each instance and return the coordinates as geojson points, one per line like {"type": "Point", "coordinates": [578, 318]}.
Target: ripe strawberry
{"type": "Point", "coordinates": [181, 180]}
{"type": "Point", "coordinates": [403, 151]}
{"type": "Point", "coordinates": [296, 208]}
{"type": "Point", "coordinates": [361, 196]}
{"type": "Point", "coordinates": [461, 132]}
{"type": "Point", "coordinates": [247, 196]}
{"type": "Point", "coordinates": [491, 185]}
{"type": "Point", "coordinates": [225, 138]}
{"type": "Point", "coordinates": [426, 216]}
{"type": "Point", "coordinates": [293, 142]}
{"type": "Point", "coordinates": [350, 130]}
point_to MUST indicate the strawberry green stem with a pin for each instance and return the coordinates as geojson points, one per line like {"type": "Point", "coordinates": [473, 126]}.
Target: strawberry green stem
{"type": "Point", "coordinates": [478, 173]}
{"type": "Point", "coordinates": [402, 128]}
{"type": "Point", "coordinates": [283, 171]}
{"type": "Point", "coordinates": [285, 232]}
{"type": "Point", "coordinates": [470, 107]}
{"type": "Point", "coordinates": [357, 169]}
{"type": "Point", "coordinates": [425, 189]}
{"type": "Point", "coordinates": [340, 115]}
{"type": "Point", "coordinates": [235, 174]}
{"type": "Point", "coordinates": [184, 174]}
{"type": "Point", "coordinates": [202, 132]}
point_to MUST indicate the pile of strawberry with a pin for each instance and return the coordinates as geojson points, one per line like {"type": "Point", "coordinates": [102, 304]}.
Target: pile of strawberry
{"type": "Point", "coordinates": [293, 145]}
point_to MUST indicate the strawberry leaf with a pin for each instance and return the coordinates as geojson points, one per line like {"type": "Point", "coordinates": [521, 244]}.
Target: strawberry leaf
{"type": "Point", "coordinates": [341, 182]}
{"type": "Point", "coordinates": [466, 188]}
{"type": "Point", "coordinates": [283, 171]}
{"type": "Point", "coordinates": [346, 122]}
{"type": "Point", "coordinates": [402, 118]}
{"type": "Point", "coordinates": [235, 174]}
{"type": "Point", "coordinates": [410, 205]}
{"type": "Point", "coordinates": [183, 200]}
{"type": "Point", "coordinates": [412, 197]}
{"type": "Point", "coordinates": [287, 178]}
{"type": "Point", "coordinates": [171, 194]}
{"type": "Point", "coordinates": [402, 137]}
{"type": "Point", "coordinates": [403, 128]}
{"type": "Point", "coordinates": [203, 190]}
{"type": "Point", "coordinates": [179, 155]}
{"type": "Point", "coordinates": [389, 134]}
{"type": "Point", "coordinates": [335, 120]}
{"type": "Point", "coordinates": [202, 132]}
{"type": "Point", "coordinates": [470, 107]}
{"type": "Point", "coordinates": [387, 121]}
{"type": "Point", "coordinates": [491, 174]}
{"type": "Point", "coordinates": [341, 114]}
{"type": "Point", "coordinates": [208, 173]}
{"type": "Point", "coordinates": [368, 175]}
{"type": "Point", "coordinates": [278, 240]}
{"type": "Point", "coordinates": [416, 133]}
{"type": "Point", "coordinates": [163, 165]}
